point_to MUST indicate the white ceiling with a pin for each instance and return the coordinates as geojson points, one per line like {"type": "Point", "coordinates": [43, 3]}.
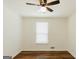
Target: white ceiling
{"type": "Point", "coordinates": [64, 9]}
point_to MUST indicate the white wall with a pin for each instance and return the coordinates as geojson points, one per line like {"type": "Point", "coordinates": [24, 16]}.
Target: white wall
{"type": "Point", "coordinates": [57, 34]}
{"type": "Point", "coordinates": [72, 34]}
{"type": "Point", "coordinates": [12, 33]}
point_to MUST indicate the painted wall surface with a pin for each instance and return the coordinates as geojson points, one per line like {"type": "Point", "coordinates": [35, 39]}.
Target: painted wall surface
{"type": "Point", "coordinates": [72, 35]}
{"type": "Point", "coordinates": [12, 33]}
{"type": "Point", "coordinates": [57, 34]}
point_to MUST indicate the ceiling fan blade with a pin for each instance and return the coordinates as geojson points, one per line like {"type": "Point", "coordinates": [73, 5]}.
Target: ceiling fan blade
{"type": "Point", "coordinates": [49, 9]}
{"type": "Point", "coordinates": [32, 4]}
{"type": "Point", "coordinates": [53, 3]}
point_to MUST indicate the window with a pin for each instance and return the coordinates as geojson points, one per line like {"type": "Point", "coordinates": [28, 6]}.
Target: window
{"type": "Point", "coordinates": [41, 32]}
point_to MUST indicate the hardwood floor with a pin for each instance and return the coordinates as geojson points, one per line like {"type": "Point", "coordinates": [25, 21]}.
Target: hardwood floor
{"type": "Point", "coordinates": [44, 55]}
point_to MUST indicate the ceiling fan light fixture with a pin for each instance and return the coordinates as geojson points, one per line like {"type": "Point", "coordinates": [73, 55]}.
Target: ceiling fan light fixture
{"type": "Point", "coordinates": [43, 9]}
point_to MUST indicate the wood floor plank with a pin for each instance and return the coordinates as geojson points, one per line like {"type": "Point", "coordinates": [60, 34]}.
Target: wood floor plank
{"type": "Point", "coordinates": [44, 55]}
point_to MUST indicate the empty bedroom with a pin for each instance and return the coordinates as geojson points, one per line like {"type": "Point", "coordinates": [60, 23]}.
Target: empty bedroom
{"type": "Point", "coordinates": [39, 29]}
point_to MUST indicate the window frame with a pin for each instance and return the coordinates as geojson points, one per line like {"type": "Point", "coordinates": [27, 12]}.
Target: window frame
{"type": "Point", "coordinates": [41, 33]}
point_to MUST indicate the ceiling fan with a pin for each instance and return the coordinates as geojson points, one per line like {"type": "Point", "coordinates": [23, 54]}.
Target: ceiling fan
{"type": "Point", "coordinates": [43, 3]}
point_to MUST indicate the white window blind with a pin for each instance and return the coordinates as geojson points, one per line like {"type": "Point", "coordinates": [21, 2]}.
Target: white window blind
{"type": "Point", "coordinates": [41, 32]}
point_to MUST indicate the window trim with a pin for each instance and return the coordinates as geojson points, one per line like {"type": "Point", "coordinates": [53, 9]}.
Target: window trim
{"type": "Point", "coordinates": [41, 33]}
